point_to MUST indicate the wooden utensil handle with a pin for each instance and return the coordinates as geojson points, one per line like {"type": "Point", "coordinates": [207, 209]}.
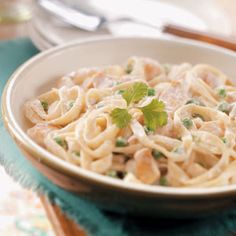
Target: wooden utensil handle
{"type": "Point", "coordinates": [62, 225]}
{"type": "Point", "coordinates": [200, 36]}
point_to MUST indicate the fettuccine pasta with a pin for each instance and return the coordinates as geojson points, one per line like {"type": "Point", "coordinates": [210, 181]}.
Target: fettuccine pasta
{"type": "Point", "coordinates": [144, 122]}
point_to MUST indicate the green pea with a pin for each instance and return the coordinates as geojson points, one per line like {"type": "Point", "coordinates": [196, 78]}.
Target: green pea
{"type": "Point", "coordinates": [71, 104]}
{"type": "Point", "coordinates": [121, 142]}
{"type": "Point", "coordinates": [61, 142]}
{"type": "Point", "coordinates": [188, 123]}
{"type": "Point", "coordinates": [224, 107]}
{"type": "Point", "coordinates": [156, 154]}
{"type": "Point", "coordinates": [151, 92]}
{"type": "Point", "coordinates": [222, 92]}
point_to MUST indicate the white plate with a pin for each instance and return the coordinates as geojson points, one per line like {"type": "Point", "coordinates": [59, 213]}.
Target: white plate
{"type": "Point", "coordinates": [40, 42]}
{"type": "Point", "coordinates": [202, 16]}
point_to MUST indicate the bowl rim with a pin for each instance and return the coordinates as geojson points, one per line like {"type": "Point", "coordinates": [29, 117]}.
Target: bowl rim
{"type": "Point", "coordinates": [52, 161]}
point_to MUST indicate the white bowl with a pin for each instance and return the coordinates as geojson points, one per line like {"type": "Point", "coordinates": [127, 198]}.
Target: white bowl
{"type": "Point", "coordinates": [39, 73]}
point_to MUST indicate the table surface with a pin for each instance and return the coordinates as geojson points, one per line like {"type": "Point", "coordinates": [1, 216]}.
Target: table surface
{"type": "Point", "coordinates": [61, 224]}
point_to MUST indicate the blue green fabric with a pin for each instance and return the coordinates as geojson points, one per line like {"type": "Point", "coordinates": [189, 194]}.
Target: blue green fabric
{"type": "Point", "coordinates": [95, 221]}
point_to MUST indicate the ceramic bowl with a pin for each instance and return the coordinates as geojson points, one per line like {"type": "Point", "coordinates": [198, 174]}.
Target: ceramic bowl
{"type": "Point", "coordinates": [39, 74]}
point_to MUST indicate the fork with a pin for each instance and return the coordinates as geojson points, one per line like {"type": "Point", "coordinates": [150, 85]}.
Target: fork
{"type": "Point", "coordinates": [92, 23]}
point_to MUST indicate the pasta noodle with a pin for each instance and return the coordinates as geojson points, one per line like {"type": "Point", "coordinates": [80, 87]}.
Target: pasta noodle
{"type": "Point", "coordinates": [194, 147]}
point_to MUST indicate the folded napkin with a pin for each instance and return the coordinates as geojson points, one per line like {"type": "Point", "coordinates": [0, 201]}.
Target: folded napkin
{"type": "Point", "coordinates": [85, 213]}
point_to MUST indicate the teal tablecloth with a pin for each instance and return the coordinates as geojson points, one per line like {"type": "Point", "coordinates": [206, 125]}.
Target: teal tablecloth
{"type": "Point", "coordinates": [95, 221]}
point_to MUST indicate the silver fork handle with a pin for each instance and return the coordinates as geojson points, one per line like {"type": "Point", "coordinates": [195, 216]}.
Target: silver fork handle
{"type": "Point", "coordinates": [71, 16]}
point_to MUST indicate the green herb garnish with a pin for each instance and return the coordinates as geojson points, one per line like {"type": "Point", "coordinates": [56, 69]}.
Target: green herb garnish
{"type": "Point", "coordinates": [135, 93]}
{"type": "Point", "coordinates": [187, 123]}
{"type": "Point", "coordinates": [163, 181]}
{"type": "Point", "coordinates": [44, 105]}
{"type": "Point", "coordinates": [154, 114]}
{"type": "Point", "coordinates": [222, 92]}
{"type": "Point", "coordinates": [121, 142]}
{"type": "Point", "coordinates": [61, 142]}
{"type": "Point", "coordinates": [151, 92]}
{"type": "Point", "coordinates": [224, 107]}
{"type": "Point", "coordinates": [156, 154]}
{"type": "Point", "coordinates": [120, 117]}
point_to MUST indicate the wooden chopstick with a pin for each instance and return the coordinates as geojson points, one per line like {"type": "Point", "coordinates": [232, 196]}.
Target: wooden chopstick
{"type": "Point", "coordinates": [200, 36]}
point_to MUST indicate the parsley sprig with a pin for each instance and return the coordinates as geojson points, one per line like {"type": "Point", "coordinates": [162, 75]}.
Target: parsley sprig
{"type": "Point", "coordinates": [120, 117]}
{"type": "Point", "coordinates": [154, 113]}
{"type": "Point", "coordinates": [135, 93]}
